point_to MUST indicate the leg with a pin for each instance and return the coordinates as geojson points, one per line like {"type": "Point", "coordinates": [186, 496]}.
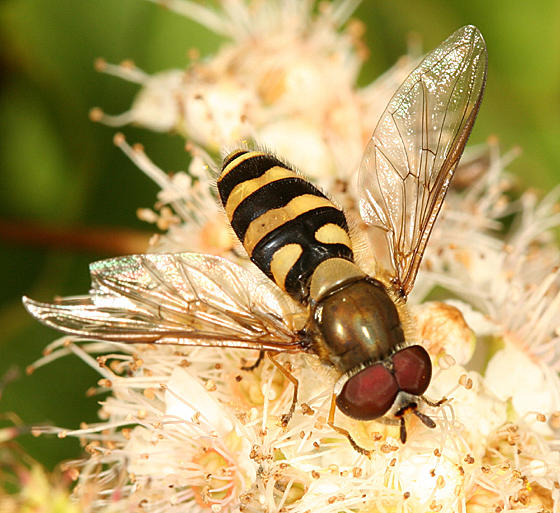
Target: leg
{"type": "Point", "coordinates": [289, 376]}
{"type": "Point", "coordinates": [254, 365]}
{"type": "Point", "coordinates": [434, 404]}
{"type": "Point", "coordinates": [342, 431]}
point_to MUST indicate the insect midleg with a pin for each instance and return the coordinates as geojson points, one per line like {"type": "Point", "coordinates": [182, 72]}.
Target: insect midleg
{"type": "Point", "coordinates": [255, 364]}
{"type": "Point", "coordinates": [343, 431]}
{"type": "Point", "coordinates": [288, 375]}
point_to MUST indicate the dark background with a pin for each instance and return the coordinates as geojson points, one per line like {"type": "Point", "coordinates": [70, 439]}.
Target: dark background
{"type": "Point", "coordinates": [58, 169]}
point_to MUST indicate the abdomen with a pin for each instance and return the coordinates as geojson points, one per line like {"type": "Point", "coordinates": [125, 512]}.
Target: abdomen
{"type": "Point", "coordinates": [287, 226]}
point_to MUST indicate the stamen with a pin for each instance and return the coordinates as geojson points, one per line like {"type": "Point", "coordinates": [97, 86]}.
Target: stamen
{"type": "Point", "coordinates": [196, 12]}
{"type": "Point", "coordinates": [97, 115]}
{"type": "Point", "coordinates": [141, 160]}
{"type": "Point", "coordinates": [343, 10]}
{"type": "Point", "coordinates": [126, 70]}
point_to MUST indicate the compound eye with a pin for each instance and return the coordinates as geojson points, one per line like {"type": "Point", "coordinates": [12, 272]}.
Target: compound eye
{"type": "Point", "coordinates": [413, 369]}
{"type": "Point", "coordinates": [368, 394]}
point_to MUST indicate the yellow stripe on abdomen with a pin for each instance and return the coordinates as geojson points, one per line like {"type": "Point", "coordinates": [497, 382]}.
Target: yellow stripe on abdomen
{"type": "Point", "coordinates": [333, 234]}
{"type": "Point", "coordinates": [276, 217]}
{"type": "Point", "coordinates": [243, 190]}
{"type": "Point", "coordinates": [283, 261]}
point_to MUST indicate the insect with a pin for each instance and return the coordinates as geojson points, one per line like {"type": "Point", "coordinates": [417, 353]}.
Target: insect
{"type": "Point", "coordinates": [300, 240]}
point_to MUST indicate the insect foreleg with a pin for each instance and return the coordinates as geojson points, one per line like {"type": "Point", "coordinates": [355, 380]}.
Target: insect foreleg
{"type": "Point", "coordinates": [343, 431]}
{"type": "Point", "coordinates": [434, 404]}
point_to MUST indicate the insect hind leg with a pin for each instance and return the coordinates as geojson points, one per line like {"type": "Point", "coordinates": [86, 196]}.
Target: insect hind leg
{"type": "Point", "coordinates": [290, 377]}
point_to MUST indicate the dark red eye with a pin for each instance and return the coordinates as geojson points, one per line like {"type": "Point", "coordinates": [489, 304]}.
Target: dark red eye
{"type": "Point", "coordinates": [368, 394]}
{"type": "Point", "coordinates": [413, 369]}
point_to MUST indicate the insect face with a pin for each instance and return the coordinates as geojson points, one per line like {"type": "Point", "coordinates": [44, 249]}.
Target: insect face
{"type": "Point", "coordinates": [372, 392]}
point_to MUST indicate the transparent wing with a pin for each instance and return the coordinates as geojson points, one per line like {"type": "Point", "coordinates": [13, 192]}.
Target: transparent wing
{"type": "Point", "coordinates": [409, 162]}
{"type": "Point", "coordinates": [184, 298]}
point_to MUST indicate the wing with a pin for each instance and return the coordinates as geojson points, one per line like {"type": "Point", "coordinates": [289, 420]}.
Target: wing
{"type": "Point", "coordinates": [184, 298]}
{"type": "Point", "coordinates": [409, 162]}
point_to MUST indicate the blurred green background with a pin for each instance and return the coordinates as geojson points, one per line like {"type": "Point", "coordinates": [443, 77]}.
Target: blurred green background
{"type": "Point", "coordinates": [59, 169]}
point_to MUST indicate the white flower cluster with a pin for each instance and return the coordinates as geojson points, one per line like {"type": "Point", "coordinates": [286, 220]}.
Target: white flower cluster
{"type": "Point", "coordinates": [189, 430]}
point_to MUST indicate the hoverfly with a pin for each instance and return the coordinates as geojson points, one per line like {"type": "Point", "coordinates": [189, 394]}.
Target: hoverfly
{"type": "Point", "coordinates": [300, 240]}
